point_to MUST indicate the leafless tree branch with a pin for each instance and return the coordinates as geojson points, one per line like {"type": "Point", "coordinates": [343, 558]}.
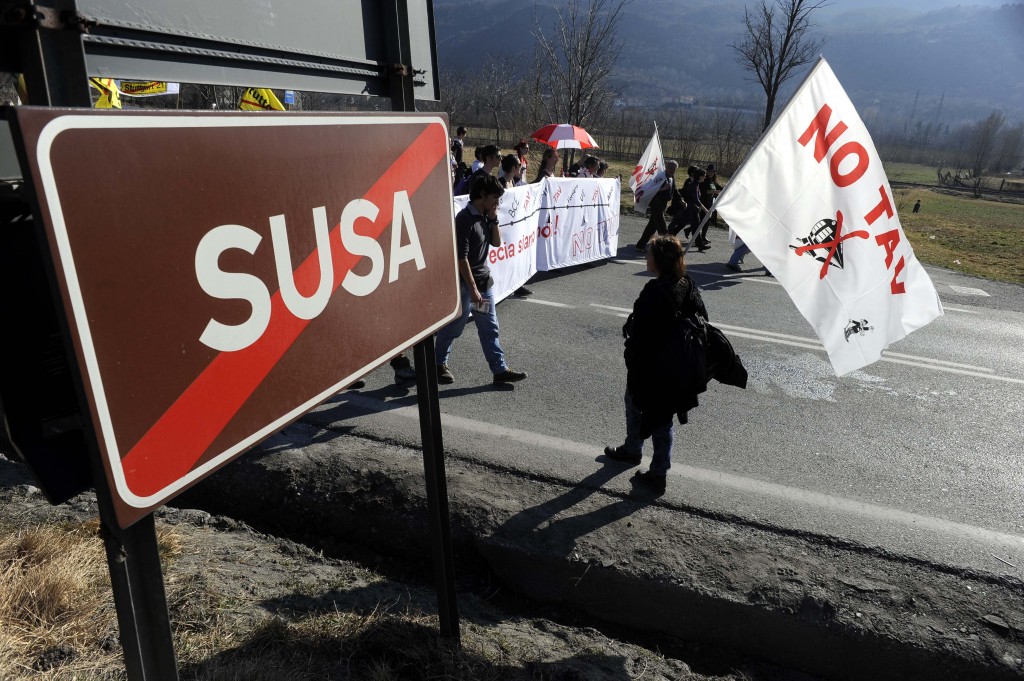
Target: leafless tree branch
{"type": "Point", "coordinates": [777, 41]}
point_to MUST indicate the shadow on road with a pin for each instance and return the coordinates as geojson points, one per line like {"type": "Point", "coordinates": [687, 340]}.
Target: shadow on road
{"type": "Point", "coordinates": [551, 525]}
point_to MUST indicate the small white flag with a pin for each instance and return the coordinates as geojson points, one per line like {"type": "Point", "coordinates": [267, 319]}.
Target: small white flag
{"type": "Point", "coordinates": [813, 203]}
{"type": "Point", "coordinates": [649, 174]}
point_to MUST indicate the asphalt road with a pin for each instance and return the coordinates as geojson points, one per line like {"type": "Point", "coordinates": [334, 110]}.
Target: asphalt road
{"type": "Point", "coordinates": [918, 454]}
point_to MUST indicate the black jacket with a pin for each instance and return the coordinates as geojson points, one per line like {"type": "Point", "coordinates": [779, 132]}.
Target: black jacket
{"type": "Point", "coordinates": [649, 354]}
{"type": "Point", "coordinates": [652, 349]}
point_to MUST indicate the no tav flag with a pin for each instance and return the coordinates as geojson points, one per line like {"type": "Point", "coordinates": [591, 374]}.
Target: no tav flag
{"type": "Point", "coordinates": [813, 203]}
{"type": "Point", "coordinates": [648, 175]}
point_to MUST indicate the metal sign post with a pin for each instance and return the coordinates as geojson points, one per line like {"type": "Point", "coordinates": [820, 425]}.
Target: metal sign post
{"type": "Point", "coordinates": [398, 42]}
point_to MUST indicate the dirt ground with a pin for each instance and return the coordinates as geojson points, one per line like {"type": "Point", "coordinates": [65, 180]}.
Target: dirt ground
{"type": "Point", "coordinates": [254, 577]}
{"type": "Point", "coordinates": [712, 591]}
{"type": "Point", "coordinates": [585, 583]}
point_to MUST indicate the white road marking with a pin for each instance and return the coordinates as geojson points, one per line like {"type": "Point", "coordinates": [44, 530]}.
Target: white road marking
{"type": "Point", "coordinates": [968, 291]}
{"type": "Point", "coordinates": [946, 308]}
{"type": "Point", "coordinates": [753, 278]}
{"type": "Point", "coordinates": [886, 354]}
{"type": "Point", "coordinates": [827, 502]}
{"type": "Point", "coordinates": [814, 344]}
{"type": "Point", "coordinates": [535, 301]}
{"type": "Point", "coordinates": [750, 276]}
{"type": "Point", "coordinates": [627, 310]}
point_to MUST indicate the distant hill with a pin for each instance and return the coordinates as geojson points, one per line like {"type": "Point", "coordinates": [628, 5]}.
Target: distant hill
{"type": "Point", "coordinates": [893, 58]}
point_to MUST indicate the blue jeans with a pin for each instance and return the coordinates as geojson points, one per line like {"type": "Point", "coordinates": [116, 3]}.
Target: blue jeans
{"type": "Point", "coordinates": [486, 328]}
{"type": "Point", "coordinates": [737, 255]}
{"type": "Point", "coordinates": [661, 438]}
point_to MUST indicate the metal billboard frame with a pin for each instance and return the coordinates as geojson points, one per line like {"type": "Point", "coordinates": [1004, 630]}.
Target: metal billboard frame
{"type": "Point", "coordinates": [57, 45]}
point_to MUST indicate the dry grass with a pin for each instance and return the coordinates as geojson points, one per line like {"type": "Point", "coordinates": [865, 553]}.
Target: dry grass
{"type": "Point", "coordinates": [54, 602]}
{"type": "Point", "coordinates": [57, 622]}
{"type": "Point", "coordinates": [57, 617]}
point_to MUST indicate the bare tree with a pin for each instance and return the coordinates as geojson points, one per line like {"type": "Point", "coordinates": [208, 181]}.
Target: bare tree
{"type": "Point", "coordinates": [574, 63]}
{"type": "Point", "coordinates": [456, 94]}
{"type": "Point", "coordinates": [493, 89]}
{"type": "Point", "coordinates": [776, 42]}
{"type": "Point", "coordinates": [1011, 149]}
{"type": "Point", "coordinates": [727, 136]}
{"type": "Point", "coordinates": [983, 141]}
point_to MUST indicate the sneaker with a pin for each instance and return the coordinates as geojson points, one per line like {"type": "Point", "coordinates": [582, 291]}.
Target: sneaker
{"type": "Point", "coordinates": [652, 481]}
{"type": "Point", "coordinates": [404, 371]}
{"type": "Point", "coordinates": [444, 374]}
{"type": "Point", "coordinates": [620, 454]}
{"type": "Point", "coordinates": [640, 249]}
{"type": "Point", "coordinates": [508, 376]}
{"type": "Point", "coordinates": [734, 268]}
{"type": "Point", "coordinates": [522, 291]}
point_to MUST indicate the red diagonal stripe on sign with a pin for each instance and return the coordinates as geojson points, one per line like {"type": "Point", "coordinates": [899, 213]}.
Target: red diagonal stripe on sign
{"type": "Point", "coordinates": [180, 437]}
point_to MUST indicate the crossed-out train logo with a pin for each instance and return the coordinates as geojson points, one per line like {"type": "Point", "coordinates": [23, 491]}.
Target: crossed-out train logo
{"type": "Point", "coordinates": [823, 233]}
{"type": "Point", "coordinates": [856, 327]}
{"type": "Point", "coordinates": [826, 235]}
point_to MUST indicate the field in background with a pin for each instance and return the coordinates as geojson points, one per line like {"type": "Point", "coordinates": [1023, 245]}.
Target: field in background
{"type": "Point", "coordinates": [975, 236]}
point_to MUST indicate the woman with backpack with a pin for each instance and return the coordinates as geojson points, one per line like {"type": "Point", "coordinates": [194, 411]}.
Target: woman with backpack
{"type": "Point", "coordinates": [665, 351]}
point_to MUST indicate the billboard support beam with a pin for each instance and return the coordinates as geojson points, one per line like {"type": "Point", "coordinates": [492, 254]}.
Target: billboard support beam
{"type": "Point", "coordinates": [138, 585]}
{"type": "Point", "coordinates": [401, 72]}
{"type": "Point", "coordinates": [437, 488]}
{"type": "Point", "coordinates": [52, 57]}
{"type": "Point", "coordinates": [53, 61]}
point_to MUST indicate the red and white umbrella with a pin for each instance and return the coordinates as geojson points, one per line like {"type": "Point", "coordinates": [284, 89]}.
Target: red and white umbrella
{"type": "Point", "coordinates": [564, 136]}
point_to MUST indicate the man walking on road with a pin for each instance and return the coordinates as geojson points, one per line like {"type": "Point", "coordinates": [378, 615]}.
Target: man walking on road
{"type": "Point", "coordinates": [476, 230]}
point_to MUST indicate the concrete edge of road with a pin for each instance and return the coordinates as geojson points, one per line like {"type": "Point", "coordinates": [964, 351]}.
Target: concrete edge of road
{"type": "Point", "coordinates": [631, 562]}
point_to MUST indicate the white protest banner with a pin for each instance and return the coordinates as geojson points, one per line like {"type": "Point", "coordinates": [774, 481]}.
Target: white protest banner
{"type": "Point", "coordinates": [515, 260]}
{"type": "Point", "coordinates": [648, 175]}
{"type": "Point", "coordinates": [579, 223]}
{"type": "Point", "coordinates": [813, 203]}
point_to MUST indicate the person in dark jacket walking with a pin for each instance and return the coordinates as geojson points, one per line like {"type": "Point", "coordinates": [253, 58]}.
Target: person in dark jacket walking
{"type": "Point", "coordinates": [695, 209]}
{"type": "Point", "coordinates": [709, 190]}
{"type": "Point", "coordinates": [652, 399]}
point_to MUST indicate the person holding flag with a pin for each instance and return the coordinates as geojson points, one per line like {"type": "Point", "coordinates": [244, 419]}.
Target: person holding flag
{"type": "Point", "coordinates": [828, 231]}
{"type": "Point", "coordinates": [659, 200]}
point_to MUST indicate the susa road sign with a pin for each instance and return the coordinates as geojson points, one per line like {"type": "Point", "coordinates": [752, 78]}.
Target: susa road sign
{"type": "Point", "coordinates": [222, 274]}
